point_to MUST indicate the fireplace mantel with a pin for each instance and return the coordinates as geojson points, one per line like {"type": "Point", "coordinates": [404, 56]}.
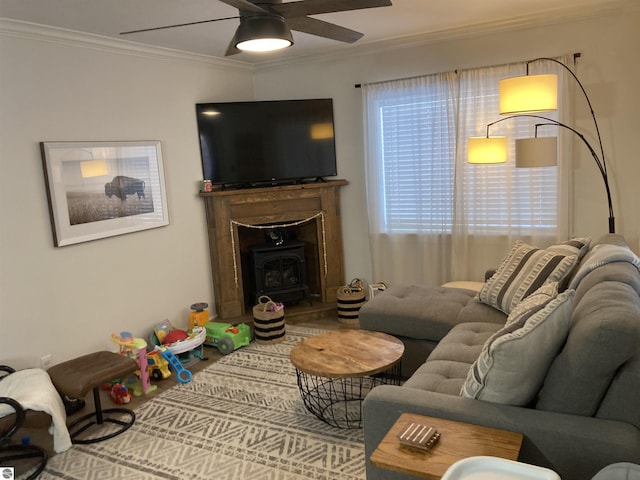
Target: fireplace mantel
{"type": "Point", "coordinates": [228, 211]}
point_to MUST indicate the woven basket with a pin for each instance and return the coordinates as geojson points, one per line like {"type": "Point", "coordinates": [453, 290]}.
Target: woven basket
{"type": "Point", "coordinates": [350, 298]}
{"type": "Point", "coordinates": [268, 320]}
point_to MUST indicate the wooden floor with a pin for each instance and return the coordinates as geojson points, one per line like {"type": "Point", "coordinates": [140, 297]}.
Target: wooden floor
{"type": "Point", "coordinates": [43, 439]}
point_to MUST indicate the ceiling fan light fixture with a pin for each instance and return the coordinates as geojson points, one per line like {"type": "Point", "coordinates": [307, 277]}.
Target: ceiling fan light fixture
{"type": "Point", "coordinates": [262, 33]}
{"type": "Point", "coordinates": [263, 45]}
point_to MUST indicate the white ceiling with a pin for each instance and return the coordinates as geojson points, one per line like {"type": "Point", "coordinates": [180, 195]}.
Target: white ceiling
{"type": "Point", "coordinates": [405, 20]}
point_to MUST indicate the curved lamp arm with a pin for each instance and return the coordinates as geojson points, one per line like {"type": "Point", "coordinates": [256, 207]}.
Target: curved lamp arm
{"type": "Point", "coordinates": [584, 92]}
{"type": "Point", "coordinates": [599, 162]}
{"type": "Point", "coordinates": [601, 167]}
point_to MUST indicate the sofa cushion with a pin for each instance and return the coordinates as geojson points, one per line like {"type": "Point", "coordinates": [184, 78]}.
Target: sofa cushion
{"type": "Point", "coordinates": [424, 312]}
{"type": "Point", "coordinates": [605, 335]}
{"type": "Point", "coordinates": [623, 395]}
{"type": "Point", "coordinates": [446, 368]}
{"type": "Point", "coordinates": [522, 272]}
{"type": "Point", "coordinates": [513, 363]}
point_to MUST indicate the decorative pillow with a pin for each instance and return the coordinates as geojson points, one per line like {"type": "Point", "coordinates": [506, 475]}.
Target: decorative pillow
{"type": "Point", "coordinates": [576, 246]}
{"type": "Point", "coordinates": [513, 363]}
{"type": "Point", "coordinates": [522, 272]}
{"type": "Point", "coordinates": [527, 307]}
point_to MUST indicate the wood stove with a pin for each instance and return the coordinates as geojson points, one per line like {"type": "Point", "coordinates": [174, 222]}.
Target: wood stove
{"type": "Point", "coordinates": [279, 271]}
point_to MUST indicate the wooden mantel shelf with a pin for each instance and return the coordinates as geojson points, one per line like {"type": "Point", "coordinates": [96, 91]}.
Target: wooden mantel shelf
{"type": "Point", "coordinates": [228, 211]}
{"type": "Point", "coordinates": [275, 188]}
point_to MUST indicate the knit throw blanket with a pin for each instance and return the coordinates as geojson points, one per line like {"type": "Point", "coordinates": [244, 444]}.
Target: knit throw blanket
{"type": "Point", "coordinates": [32, 388]}
{"type": "Point", "coordinates": [603, 254]}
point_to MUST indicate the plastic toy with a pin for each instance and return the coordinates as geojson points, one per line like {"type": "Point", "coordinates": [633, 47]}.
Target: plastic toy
{"type": "Point", "coordinates": [175, 335]}
{"type": "Point", "coordinates": [135, 348]}
{"type": "Point", "coordinates": [157, 366]}
{"type": "Point", "coordinates": [182, 374]}
{"type": "Point", "coordinates": [199, 315]}
{"type": "Point", "coordinates": [193, 340]}
{"type": "Point", "coordinates": [227, 337]}
{"type": "Point", "coordinates": [161, 330]}
{"type": "Point", "coordinates": [120, 393]}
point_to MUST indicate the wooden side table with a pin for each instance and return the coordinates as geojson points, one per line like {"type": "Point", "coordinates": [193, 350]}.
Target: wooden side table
{"type": "Point", "coordinates": [458, 441]}
{"type": "Point", "coordinates": [336, 370]}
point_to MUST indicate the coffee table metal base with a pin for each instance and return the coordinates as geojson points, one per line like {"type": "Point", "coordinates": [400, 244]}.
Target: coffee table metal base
{"type": "Point", "coordinates": [338, 401]}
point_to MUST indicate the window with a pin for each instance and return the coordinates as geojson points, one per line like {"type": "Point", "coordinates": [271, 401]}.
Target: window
{"type": "Point", "coordinates": [417, 131]}
{"type": "Point", "coordinates": [417, 168]}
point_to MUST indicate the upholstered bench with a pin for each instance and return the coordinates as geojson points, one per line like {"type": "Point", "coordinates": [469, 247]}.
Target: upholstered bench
{"type": "Point", "coordinates": [74, 378]}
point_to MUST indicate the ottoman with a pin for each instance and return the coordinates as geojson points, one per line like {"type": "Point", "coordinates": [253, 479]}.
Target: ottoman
{"type": "Point", "coordinates": [74, 378]}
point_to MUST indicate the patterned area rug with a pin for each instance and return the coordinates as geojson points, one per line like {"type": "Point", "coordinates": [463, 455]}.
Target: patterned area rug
{"type": "Point", "coordinates": [240, 418]}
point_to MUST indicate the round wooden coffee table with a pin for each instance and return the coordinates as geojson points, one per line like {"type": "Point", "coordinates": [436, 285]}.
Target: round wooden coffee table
{"type": "Point", "coordinates": [336, 370]}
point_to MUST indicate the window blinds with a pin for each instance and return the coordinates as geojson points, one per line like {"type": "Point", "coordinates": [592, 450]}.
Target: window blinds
{"type": "Point", "coordinates": [417, 135]}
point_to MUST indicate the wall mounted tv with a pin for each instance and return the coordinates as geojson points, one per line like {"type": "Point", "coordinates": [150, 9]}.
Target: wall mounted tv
{"type": "Point", "coordinates": [244, 144]}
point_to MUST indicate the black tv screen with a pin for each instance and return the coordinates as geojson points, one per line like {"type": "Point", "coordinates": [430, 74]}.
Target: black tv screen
{"type": "Point", "coordinates": [266, 142]}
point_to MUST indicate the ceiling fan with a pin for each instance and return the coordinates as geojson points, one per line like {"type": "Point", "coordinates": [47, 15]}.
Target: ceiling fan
{"type": "Point", "coordinates": [262, 20]}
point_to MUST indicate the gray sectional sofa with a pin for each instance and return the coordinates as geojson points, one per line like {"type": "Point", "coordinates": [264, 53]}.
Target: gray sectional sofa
{"type": "Point", "coordinates": [556, 359]}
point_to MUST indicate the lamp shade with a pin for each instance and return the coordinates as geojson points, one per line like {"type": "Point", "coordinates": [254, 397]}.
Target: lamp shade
{"type": "Point", "coordinates": [531, 93]}
{"type": "Point", "coordinates": [487, 150]}
{"type": "Point", "coordinates": [262, 33]}
{"type": "Point", "coordinates": [536, 152]}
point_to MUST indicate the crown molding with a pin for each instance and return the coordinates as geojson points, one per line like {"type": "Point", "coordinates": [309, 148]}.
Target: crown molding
{"type": "Point", "coordinates": [62, 36]}
{"type": "Point", "coordinates": [557, 16]}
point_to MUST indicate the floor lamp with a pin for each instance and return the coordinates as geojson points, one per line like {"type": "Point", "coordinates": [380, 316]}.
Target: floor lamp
{"type": "Point", "coordinates": [520, 96]}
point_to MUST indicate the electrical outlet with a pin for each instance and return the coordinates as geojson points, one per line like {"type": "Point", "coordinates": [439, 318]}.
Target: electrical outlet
{"type": "Point", "coordinates": [45, 361]}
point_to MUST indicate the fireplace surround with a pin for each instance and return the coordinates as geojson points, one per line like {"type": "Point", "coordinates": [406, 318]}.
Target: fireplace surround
{"type": "Point", "coordinates": [236, 220]}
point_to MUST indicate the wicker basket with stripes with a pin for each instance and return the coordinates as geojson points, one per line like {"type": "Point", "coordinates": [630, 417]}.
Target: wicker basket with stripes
{"type": "Point", "coordinates": [350, 298]}
{"type": "Point", "coordinates": [268, 321]}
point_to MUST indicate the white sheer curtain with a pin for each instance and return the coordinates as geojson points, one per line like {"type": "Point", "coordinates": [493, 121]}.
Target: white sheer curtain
{"type": "Point", "coordinates": [433, 217]}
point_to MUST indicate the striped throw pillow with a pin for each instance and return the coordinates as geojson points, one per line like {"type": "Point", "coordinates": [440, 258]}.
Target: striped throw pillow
{"type": "Point", "coordinates": [514, 362]}
{"type": "Point", "coordinates": [575, 246]}
{"type": "Point", "coordinates": [522, 272]}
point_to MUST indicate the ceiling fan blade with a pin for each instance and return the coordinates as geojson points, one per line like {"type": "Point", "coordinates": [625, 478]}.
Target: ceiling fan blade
{"type": "Point", "coordinates": [324, 29]}
{"type": "Point", "coordinates": [177, 25]}
{"type": "Point", "coordinates": [316, 7]}
{"type": "Point", "coordinates": [244, 5]}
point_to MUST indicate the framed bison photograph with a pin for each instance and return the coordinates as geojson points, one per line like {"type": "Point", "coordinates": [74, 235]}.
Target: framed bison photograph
{"type": "Point", "coordinates": [103, 189]}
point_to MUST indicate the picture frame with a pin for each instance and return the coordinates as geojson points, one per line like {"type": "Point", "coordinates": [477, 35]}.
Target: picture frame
{"type": "Point", "coordinates": [103, 189]}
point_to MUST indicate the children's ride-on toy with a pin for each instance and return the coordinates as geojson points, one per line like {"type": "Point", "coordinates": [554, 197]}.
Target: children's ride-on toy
{"type": "Point", "coordinates": [227, 337]}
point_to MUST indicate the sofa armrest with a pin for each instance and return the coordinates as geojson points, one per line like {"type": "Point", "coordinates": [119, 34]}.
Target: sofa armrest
{"type": "Point", "coordinates": [573, 446]}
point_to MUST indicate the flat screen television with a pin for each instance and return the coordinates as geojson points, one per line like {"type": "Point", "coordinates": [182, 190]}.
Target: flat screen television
{"type": "Point", "coordinates": [266, 142]}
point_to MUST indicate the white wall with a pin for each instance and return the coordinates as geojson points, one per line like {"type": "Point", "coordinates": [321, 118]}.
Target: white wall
{"type": "Point", "coordinates": [67, 301]}
{"type": "Point", "coordinates": [609, 70]}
